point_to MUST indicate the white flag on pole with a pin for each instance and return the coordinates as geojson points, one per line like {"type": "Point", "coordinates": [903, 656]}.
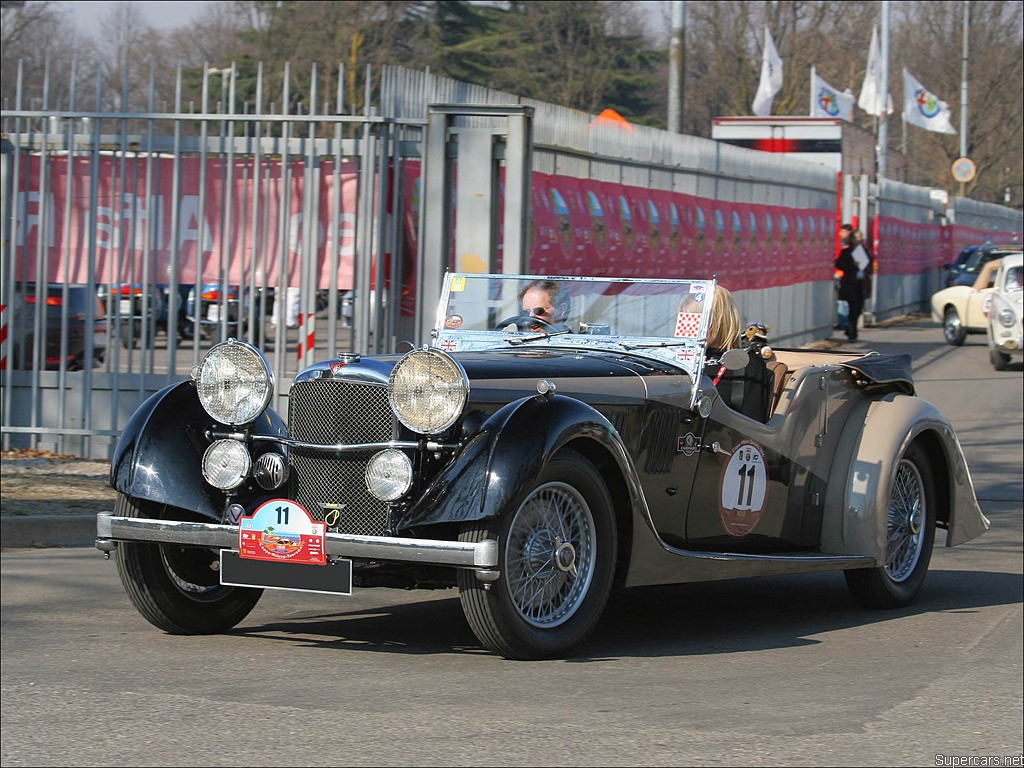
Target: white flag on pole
{"type": "Point", "coordinates": [771, 77]}
{"type": "Point", "coordinates": [871, 92]}
{"type": "Point", "coordinates": [923, 108]}
{"type": "Point", "coordinates": [828, 102]}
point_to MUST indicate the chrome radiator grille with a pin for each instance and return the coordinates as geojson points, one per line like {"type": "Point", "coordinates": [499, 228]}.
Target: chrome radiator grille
{"type": "Point", "coordinates": [328, 412]}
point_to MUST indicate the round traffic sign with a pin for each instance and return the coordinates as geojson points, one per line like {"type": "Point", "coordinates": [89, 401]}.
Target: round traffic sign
{"type": "Point", "coordinates": [964, 169]}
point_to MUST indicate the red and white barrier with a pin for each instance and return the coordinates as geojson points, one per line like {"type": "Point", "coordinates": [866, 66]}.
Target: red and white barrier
{"type": "Point", "coordinates": [307, 339]}
{"type": "Point", "coordinates": [3, 337]}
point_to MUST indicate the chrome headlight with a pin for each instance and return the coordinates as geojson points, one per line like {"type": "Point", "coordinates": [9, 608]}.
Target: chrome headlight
{"type": "Point", "coordinates": [389, 474]}
{"type": "Point", "coordinates": [226, 464]}
{"type": "Point", "coordinates": [1007, 318]}
{"type": "Point", "coordinates": [234, 382]}
{"type": "Point", "coordinates": [428, 390]}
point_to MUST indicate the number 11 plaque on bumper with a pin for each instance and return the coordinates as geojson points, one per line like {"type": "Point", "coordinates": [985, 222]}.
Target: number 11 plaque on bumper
{"type": "Point", "coordinates": [281, 531]}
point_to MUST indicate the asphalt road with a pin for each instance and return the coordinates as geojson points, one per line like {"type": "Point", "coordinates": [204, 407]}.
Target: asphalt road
{"type": "Point", "coordinates": [750, 672]}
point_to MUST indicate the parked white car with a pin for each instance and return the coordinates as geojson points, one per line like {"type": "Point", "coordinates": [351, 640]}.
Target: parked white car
{"type": "Point", "coordinates": [1005, 329]}
{"type": "Point", "coordinates": [963, 309]}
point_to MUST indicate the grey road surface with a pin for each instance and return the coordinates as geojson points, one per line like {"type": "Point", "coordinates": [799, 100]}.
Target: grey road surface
{"type": "Point", "coordinates": [785, 671]}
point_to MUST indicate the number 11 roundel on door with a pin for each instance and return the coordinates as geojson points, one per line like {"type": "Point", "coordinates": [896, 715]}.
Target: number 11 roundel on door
{"type": "Point", "coordinates": [743, 490]}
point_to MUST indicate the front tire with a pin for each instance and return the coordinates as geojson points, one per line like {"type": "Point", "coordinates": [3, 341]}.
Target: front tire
{"type": "Point", "coordinates": [174, 587]}
{"type": "Point", "coordinates": [953, 328]}
{"type": "Point", "coordinates": [999, 359]}
{"type": "Point", "coordinates": [910, 535]}
{"type": "Point", "coordinates": [557, 554]}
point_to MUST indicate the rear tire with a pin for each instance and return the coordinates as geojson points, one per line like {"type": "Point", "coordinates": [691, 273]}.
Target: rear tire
{"type": "Point", "coordinates": [953, 328]}
{"type": "Point", "coordinates": [557, 555]}
{"type": "Point", "coordinates": [910, 535]}
{"type": "Point", "coordinates": [131, 332]}
{"type": "Point", "coordinates": [174, 587]}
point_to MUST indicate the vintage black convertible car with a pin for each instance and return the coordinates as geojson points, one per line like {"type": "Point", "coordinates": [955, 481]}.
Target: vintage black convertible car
{"type": "Point", "coordinates": [535, 466]}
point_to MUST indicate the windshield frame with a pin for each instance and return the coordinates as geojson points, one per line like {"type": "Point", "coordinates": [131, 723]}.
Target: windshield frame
{"type": "Point", "coordinates": [484, 292]}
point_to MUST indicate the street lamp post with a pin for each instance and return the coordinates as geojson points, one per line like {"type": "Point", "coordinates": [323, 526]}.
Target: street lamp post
{"type": "Point", "coordinates": [223, 72]}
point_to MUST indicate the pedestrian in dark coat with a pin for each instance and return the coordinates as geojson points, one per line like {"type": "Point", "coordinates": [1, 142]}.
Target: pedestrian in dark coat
{"type": "Point", "coordinates": [857, 266]}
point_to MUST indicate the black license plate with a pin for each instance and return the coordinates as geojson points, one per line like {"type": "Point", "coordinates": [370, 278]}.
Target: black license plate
{"type": "Point", "coordinates": [335, 578]}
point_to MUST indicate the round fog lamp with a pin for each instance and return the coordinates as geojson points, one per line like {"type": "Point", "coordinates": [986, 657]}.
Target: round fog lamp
{"type": "Point", "coordinates": [226, 464]}
{"type": "Point", "coordinates": [389, 474]}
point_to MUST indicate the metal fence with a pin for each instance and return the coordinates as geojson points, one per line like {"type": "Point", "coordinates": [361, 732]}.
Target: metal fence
{"type": "Point", "coordinates": [134, 240]}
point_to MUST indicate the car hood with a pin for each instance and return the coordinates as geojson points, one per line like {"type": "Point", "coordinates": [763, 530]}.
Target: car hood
{"type": "Point", "coordinates": [504, 375]}
{"type": "Point", "coordinates": [591, 375]}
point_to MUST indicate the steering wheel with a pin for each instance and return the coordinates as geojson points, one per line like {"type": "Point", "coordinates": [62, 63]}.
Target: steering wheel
{"type": "Point", "coordinates": [525, 323]}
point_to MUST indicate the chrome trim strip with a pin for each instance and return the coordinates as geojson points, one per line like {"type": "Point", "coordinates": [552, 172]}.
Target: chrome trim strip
{"type": "Point", "coordinates": [354, 447]}
{"type": "Point", "coordinates": [483, 554]}
{"type": "Point", "coordinates": [828, 561]}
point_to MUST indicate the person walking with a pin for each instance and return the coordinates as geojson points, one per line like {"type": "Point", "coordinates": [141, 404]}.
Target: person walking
{"type": "Point", "coordinates": [857, 266]}
{"type": "Point", "coordinates": [842, 307]}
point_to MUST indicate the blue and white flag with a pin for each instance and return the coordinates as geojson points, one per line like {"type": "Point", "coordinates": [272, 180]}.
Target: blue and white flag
{"type": "Point", "coordinates": [923, 108]}
{"type": "Point", "coordinates": [771, 77]}
{"type": "Point", "coordinates": [826, 101]}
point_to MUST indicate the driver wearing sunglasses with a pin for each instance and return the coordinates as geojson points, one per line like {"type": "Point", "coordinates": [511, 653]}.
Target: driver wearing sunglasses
{"type": "Point", "coordinates": [548, 302]}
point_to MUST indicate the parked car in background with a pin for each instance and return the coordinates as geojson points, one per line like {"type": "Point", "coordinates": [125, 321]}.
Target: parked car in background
{"type": "Point", "coordinates": [963, 309]}
{"type": "Point", "coordinates": [213, 305]}
{"type": "Point", "coordinates": [966, 273]}
{"type": "Point", "coordinates": [952, 270]}
{"type": "Point", "coordinates": [535, 457]}
{"type": "Point", "coordinates": [130, 306]}
{"type": "Point", "coordinates": [1005, 328]}
{"type": "Point", "coordinates": [66, 329]}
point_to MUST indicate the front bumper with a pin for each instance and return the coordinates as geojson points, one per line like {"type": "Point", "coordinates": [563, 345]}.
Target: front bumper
{"type": "Point", "coordinates": [1011, 346]}
{"type": "Point", "coordinates": [481, 555]}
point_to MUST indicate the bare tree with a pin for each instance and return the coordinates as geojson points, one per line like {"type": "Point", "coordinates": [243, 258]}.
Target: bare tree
{"type": "Point", "coordinates": [927, 41]}
{"type": "Point", "coordinates": [586, 55]}
{"type": "Point", "coordinates": [36, 36]}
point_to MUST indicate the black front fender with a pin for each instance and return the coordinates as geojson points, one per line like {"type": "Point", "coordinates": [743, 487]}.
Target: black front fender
{"type": "Point", "coordinates": [498, 465]}
{"type": "Point", "coordinates": [160, 452]}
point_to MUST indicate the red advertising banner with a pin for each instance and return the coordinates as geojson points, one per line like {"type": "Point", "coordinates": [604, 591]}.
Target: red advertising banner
{"type": "Point", "coordinates": [211, 231]}
{"type": "Point", "coordinates": [907, 248]}
{"type": "Point", "coordinates": [245, 219]}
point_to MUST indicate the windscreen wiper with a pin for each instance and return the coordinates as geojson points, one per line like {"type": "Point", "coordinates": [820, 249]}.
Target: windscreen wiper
{"type": "Point", "coordinates": [658, 344]}
{"type": "Point", "coordinates": [517, 340]}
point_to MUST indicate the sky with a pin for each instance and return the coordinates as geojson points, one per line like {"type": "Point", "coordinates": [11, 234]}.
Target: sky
{"type": "Point", "coordinates": [162, 14]}
{"type": "Point", "coordinates": [168, 14]}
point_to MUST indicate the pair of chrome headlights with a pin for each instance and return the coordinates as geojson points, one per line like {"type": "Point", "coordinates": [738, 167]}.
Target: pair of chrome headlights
{"type": "Point", "coordinates": [427, 391]}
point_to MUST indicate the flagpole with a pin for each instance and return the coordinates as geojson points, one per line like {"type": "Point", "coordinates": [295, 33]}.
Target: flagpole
{"type": "Point", "coordinates": [810, 104]}
{"type": "Point", "coordinates": [903, 148]}
{"type": "Point", "coordinates": [963, 91]}
{"type": "Point", "coordinates": [677, 71]}
{"type": "Point", "coordinates": [883, 122]}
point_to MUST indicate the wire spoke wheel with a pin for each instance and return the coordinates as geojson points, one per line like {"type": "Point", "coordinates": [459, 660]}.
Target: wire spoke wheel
{"type": "Point", "coordinates": [556, 564]}
{"type": "Point", "coordinates": [905, 529]}
{"type": "Point", "coordinates": [909, 536]}
{"type": "Point", "coordinates": [550, 555]}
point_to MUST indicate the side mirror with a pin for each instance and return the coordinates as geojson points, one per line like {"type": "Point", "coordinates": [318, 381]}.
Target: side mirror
{"type": "Point", "coordinates": [735, 359]}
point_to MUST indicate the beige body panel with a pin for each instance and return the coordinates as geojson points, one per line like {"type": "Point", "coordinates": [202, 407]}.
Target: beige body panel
{"type": "Point", "coordinates": [855, 519]}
